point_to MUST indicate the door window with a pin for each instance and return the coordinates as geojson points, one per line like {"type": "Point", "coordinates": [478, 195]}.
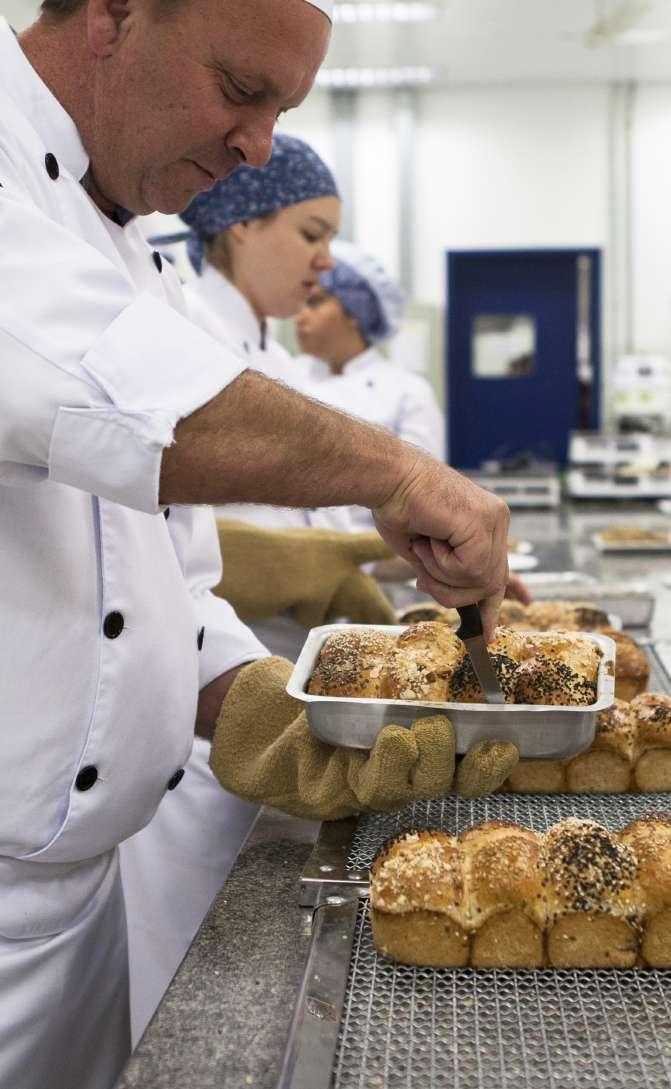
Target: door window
{"type": "Point", "coordinates": [503, 346]}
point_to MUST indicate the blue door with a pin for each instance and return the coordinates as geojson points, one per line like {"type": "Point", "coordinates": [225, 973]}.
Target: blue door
{"type": "Point", "coordinates": [523, 352]}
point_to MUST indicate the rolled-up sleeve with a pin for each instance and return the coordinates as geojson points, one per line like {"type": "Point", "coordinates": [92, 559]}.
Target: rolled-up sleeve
{"type": "Point", "coordinates": [99, 375]}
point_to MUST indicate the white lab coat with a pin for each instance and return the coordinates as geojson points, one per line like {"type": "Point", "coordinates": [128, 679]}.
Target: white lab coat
{"type": "Point", "coordinates": [104, 600]}
{"type": "Point", "coordinates": [383, 393]}
{"type": "Point", "coordinates": [221, 309]}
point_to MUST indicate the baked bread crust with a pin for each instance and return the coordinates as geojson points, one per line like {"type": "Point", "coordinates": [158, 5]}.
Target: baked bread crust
{"type": "Point", "coordinates": [428, 610]}
{"type": "Point", "coordinates": [571, 615]}
{"type": "Point", "coordinates": [428, 661]}
{"type": "Point", "coordinates": [652, 771]}
{"type": "Point", "coordinates": [577, 896]}
{"type": "Point", "coordinates": [421, 663]}
{"type": "Point", "coordinates": [632, 669]}
{"type": "Point", "coordinates": [550, 681]}
{"type": "Point", "coordinates": [352, 663]}
{"type": "Point", "coordinates": [615, 762]}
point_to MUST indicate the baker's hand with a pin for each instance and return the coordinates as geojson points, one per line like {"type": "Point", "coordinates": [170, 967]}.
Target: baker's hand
{"type": "Point", "coordinates": [313, 574]}
{"type": "Point", "coordinates": [517, 590]}
{"type": "Point", "coordinates": [263, 750]}
{"type": "Point", "coordinates": [454, 534]}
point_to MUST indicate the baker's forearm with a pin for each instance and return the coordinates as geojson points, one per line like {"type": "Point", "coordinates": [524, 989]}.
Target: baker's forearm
{"type": "Point", "coordinates": [260, 442]}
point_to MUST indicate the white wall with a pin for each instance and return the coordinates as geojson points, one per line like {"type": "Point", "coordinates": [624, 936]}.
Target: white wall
{"type": "Point", "coordinates": [495, 167]}
{"type": "Point", "coordinates": [524, 166]}
{"type": "Point", "coordinates": [508, 168]}
{"type": "Point", "coordinates": [651, 223]}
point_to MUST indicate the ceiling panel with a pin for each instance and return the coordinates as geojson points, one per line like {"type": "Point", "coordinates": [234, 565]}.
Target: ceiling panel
{"type": "Point", "coordinates": [493, 41]}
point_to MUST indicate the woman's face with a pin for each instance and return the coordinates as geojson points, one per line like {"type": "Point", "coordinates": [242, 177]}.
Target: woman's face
{"type": "Point", "coordinates": [278, 261]}
{"type": "Point", "coordinates": [322, 324]}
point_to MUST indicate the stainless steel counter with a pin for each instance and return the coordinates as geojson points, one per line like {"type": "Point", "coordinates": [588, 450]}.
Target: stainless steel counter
{"type": "Point", "coordinates": [224, 1020]}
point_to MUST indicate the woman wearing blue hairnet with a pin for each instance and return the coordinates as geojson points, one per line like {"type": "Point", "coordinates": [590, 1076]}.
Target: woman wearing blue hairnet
{"type": "Point", "coordinates": [260, 243]}
{"type": "Point", "coordinates": [355, 308]}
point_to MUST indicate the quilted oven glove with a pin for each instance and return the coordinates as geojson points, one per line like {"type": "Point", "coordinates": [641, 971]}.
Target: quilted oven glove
{"type": "Point", "coordinates": [263, 750]}
{"type": "Point", "coordinates": [314, 574]}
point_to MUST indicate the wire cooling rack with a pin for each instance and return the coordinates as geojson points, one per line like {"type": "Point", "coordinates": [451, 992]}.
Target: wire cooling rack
{"type": "Point", "coordinates": [423, 1028]}
{"type": "Point", "coordinates": [365, 1023]}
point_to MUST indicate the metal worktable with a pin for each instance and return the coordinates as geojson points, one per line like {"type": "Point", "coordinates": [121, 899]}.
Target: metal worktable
{"type": "Point", "coordinates": [225, 1019]}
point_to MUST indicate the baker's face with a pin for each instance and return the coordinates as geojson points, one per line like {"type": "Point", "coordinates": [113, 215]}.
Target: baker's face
{"type": "Point", "coordinates": [180, 99]}
{"type": "Point", "coordinates": [278, 260]}
{"type": "Point", "coordinates": [322, 324]}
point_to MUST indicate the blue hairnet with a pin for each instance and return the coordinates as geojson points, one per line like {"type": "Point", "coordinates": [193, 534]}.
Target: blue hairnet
{"type": "Point", "coordinates": [365, 292]}
{"type": "Point", "coordinates": [293, 173]}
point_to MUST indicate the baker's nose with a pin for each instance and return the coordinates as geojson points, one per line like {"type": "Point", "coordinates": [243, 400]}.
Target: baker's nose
{"type": "Point", "coordinates": [253, 139]}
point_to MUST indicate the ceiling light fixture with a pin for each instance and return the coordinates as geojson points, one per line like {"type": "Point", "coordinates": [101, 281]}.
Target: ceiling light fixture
{"type": "Point", "coordinates": [356, 78]}
{"type": "Point", "coordinates": [394, 12]}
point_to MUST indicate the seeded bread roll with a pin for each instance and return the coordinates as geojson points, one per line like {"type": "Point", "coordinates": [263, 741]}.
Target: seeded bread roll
{"type": "Point", "coordinates": [509, 642]}
{"type": "Point", "coordinates": [550, 681]}
{"type": "Point", "coordinates": [653, 718]}
{"type": "Point", "coordinates": [420, 876]}
{"type": "Point", "coordinates": [504, 896]}
{"type": "Point", "coordinates": [505, 910]}
{"type": "Point", "coordinates": [592, 904]}
{"type": "Point", "coordinates": [650, 840]}
{"type": "Point", "coordinates": [352, 663]}
{"type": "Point", "coordinates": [632, 669]}
{"type": "Point", "coordinates": [421, 663]}
{"type": "Point", "coordinates": [573, 649]}
{"type": "Point", "coordinates": [464, 686]}
{"type": "Point", "coordinates": [605, 768]}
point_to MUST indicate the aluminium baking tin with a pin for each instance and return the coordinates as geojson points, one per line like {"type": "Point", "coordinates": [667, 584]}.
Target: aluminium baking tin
{"type": "Point", "coordinates": [536, 729]}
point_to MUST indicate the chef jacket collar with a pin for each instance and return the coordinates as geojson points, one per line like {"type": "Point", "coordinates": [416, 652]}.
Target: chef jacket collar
{"type": "Point", "coordinates": [320, 369]}
{"type": "Point", "coordinates": [224, 298]}
{"type": "Point", "coordinates": [52, 122]}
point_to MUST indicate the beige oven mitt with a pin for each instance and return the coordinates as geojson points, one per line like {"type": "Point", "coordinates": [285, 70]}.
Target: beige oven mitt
{"type": "Point", "coordinates": [313, 574]}
{"type": "Point", "coordinates": [264, 751]}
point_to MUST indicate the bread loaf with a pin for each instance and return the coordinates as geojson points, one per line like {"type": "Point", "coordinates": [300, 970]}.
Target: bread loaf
{"type": "Point", "coordinates": [632, 669]}
{"type": "Point", "coordinates": [652, 770]}
{"type": "Point", "coordinates": [631, 751]}
{"type": "Point", "coordinates": [503, 896]}
{"type": "Point", "coordinates": [429, 662]}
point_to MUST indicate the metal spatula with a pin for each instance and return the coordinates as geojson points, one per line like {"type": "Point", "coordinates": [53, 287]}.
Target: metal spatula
{"type": "Point", "coordinates": [470, 632]}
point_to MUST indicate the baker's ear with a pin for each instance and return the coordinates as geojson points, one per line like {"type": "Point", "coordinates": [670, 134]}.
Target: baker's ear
{"type": "Point", "coordinates": [238, 231]}
{"type": "Point", "coordinates": [106, 25]}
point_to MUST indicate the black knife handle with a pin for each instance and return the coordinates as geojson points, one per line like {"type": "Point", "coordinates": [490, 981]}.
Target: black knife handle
{"type": "Point", "coordinates": [471, 622]}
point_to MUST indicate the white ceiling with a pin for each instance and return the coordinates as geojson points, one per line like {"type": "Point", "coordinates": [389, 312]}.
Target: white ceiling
{"type": "Point", "coordinates": [503, 41]}
{"type": "Point", "coordinates": [494, 41]}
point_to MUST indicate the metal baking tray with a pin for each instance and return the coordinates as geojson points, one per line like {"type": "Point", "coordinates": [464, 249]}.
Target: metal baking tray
{"type": "Point", "coordinates": [603, 544]}
{"type": "Point", "coordinates": [633, 601]}
{"type": "Point", "coordinates": [537, 730]}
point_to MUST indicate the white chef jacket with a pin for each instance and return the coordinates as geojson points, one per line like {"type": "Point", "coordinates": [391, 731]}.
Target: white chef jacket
{"type": "Point", "coordinates": [220, 308]}
{"type": "Point", "coordinates": [109, 627]}
{"type": "Point", "coordinates": [383, 393]}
